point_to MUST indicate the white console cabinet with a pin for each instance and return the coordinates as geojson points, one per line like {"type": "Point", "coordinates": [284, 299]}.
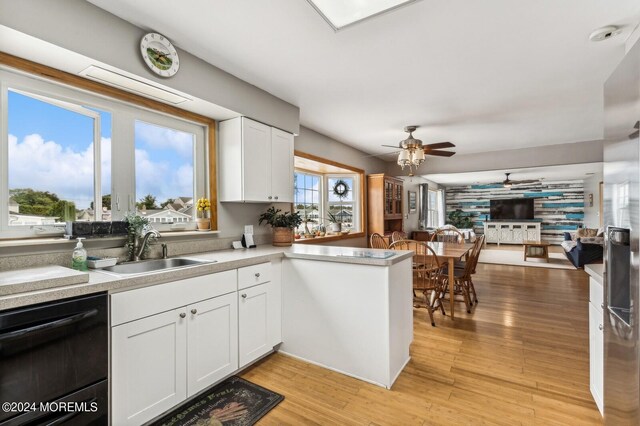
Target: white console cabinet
{"type": "Point", "coordinates": [511, 232]}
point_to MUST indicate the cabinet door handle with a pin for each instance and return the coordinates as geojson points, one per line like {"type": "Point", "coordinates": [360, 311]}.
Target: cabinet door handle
{"type": "Point", "coordinates": [276, 197]}
{"type": "Point", "coordinates": [244, 295]}
{"type": "Point", "coordinates": [602, 305]}
{"type": "Point", "coordinates": [182, 315]}
{"type": "Point", "coordinates": [600, 327]}
{"type": "Point", "coordinates": [269, 197]}
{"type": "Point", "coordinates": [194, 311]}
{"type": "Point", "coordinates": [118, 202]}
{"type": "Point", "coordinates": [257, 274]}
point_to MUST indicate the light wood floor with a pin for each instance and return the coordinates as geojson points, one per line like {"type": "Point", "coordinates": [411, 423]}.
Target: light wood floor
{"type": "Point", "coordinates": [521, 357]}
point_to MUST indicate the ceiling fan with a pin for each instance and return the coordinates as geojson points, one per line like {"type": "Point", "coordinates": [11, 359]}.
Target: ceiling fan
{"type": "Point", "coordinates": [508, 183]}
{"type": "Point", "coordinates": [412, 152]}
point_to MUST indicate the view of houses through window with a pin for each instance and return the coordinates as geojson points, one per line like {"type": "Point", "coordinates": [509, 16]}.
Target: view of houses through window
{"type": "Point", "coordinates": [164, 173]}
{"type": "Point", "coordinates": [61, 168]}
{"type": "Point", "coordinates": [52, 162]}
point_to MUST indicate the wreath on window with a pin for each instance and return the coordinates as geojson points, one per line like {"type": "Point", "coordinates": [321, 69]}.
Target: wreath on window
{"type": "Point", "coordinates": [341, 189]}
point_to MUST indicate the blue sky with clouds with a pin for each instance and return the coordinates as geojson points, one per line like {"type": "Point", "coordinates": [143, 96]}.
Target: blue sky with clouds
{"type": "Point", "coordinates": [51, 149]}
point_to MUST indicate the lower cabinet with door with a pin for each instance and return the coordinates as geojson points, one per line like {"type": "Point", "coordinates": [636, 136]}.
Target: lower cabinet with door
{"type": "Point", "coordinates": [171, 341]}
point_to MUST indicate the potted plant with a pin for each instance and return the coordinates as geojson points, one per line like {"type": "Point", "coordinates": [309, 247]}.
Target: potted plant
{"type": "Point", "coordinates": [203, 205]}
{"type": "Point", "coordinates": [282, 224]}
{"type": "Point", "coordinates": [336, 225]}
{"type": "Point", "coordinates": [460, 219]}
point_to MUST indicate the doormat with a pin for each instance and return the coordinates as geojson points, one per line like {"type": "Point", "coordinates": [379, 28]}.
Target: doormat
{"type": "Point", "coordinates": [234, 402]}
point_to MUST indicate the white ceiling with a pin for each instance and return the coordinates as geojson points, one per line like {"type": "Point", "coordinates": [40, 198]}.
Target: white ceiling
{"type": "Point", "coordinates": [548, 174]}
{"type": "Point", "coordinates": [485, 75]}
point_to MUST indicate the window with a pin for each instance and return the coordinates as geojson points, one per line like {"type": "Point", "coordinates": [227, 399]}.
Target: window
{"type": "Point", "coordinates": [59, 163]}
{"type": "Point", "coordinates": [307, 191]}
{"type": "Point", "coordinates": [327, 191]}
{"type": "Point", "coordinates": [432, 220]}
{"type": "Point", "coordinates": [165, 182]}
{"type": "Point", "coordinates": [342, 207]}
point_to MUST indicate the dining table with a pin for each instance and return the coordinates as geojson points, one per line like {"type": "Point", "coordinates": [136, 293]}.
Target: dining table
{"type": "Point", "coordinates": [450, 252]}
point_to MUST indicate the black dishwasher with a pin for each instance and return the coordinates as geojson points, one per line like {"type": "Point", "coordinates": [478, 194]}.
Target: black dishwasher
{"type": "Point", "coordinates": [54, 363]}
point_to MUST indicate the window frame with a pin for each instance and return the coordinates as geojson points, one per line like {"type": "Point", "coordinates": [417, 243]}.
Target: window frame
{"type": "Point", "coordinates": [359, 199]}
{"type": "Point", "coordinates": [125, 108]}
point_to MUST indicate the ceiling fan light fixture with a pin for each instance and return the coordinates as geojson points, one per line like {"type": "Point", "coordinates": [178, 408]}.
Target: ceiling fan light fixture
{"type": "Point", "coordinates": [404, 158]}
{"type": "Point", "coordinates": [417, 156]}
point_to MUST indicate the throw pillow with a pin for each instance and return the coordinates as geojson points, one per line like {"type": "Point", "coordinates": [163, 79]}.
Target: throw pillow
{"type": "Point", "coordinates": [586, 232]}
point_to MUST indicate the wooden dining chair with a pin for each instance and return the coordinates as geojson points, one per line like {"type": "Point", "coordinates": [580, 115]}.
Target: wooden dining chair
{"type": "Point", "coordinates": [428, 288]}
{"type": "Point", "coordinates": [461, 286]}
{"type": "Point", "coordinates": [398, 236]}
{"type": "Point", "coordinates": [472, 261]}
{"type": "Point", "coordinates": [378, 241]}
{"type": "Point", "coordinates": [475, 255]}
{"type": "Point", "coordinates": [448, 235]}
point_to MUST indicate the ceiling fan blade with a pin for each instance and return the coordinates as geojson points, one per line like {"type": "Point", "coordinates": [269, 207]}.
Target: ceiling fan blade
{"type": "Point", "coordinates": [439, 153]}
{"type": "Point", "coordinates": [521, 182]}
{"type": "Point", "coordinates": [382, 155]}
{"type": "Point", "coordinates": [439, 145]}
{"type": "Point", "coordinates": [391, 146]}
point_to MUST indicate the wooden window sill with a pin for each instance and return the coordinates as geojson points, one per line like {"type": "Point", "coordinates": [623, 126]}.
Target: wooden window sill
{"type": "Point", "coordinates": [329, 238]}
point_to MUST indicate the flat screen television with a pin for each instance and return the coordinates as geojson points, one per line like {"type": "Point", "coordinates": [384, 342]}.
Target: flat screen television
{"type": "Point", "coordinates": [511, 209]}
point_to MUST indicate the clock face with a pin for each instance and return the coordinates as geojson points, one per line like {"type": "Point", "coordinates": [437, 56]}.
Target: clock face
{"type": "Point", "coordinates": [159, 54]}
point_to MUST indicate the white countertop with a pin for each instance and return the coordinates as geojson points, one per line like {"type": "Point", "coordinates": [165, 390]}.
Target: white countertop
{"type": "Point", "coordinates": [595, 271]}
{"type": "Point", "coordinates": [224, 260]}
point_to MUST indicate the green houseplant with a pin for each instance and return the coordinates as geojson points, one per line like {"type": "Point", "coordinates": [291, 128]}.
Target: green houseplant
{"type": "Point", "coordinates": [460, 219]}
{"type": "Point", "coordinates": [282, 224]}
{"type": "Point", "coordinates": [136, 225]}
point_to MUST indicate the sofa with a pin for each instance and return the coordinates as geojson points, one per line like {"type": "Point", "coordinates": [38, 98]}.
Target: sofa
{"type": "Point", "coordinates": [583, 250]}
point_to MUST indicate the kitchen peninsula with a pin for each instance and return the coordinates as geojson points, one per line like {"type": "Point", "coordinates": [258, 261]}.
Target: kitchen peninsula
{"type": "Point", "coordinates": [306, 301]}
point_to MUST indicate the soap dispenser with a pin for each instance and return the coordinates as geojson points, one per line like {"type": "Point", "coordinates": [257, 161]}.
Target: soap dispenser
{"type": "Point", "coordinates": [79, 257]}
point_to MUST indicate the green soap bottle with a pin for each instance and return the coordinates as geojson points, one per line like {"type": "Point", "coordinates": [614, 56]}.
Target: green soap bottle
{"type": "Point", "coordinates": [79, 257]}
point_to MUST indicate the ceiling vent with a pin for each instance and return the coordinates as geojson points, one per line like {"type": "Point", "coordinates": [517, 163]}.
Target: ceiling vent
{"type": "Point", "coordinates": [132, 85]}
{"type": "Point", "coordinates": [605, 33]}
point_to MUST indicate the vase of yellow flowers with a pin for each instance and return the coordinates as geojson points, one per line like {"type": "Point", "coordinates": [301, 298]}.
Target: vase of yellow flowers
{"type": "Point", "coordinates": [203, 205]}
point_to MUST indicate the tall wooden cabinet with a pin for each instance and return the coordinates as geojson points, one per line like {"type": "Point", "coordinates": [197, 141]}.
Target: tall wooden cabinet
{"type": "Point", "coordinates": [384, 204]}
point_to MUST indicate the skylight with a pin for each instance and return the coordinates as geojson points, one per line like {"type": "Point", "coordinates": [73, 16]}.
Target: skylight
{"type": "Point", "coordinates": [342, 13]}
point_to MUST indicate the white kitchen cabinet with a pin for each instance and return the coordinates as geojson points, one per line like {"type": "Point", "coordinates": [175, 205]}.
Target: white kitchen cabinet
{"type": "Point", "coordinates": [212, 341]}
{"type": "Point", "coordinates": [281, 166]}
{"type": "Point", "coordinates": [259, 321]}
{"type": "Point", "coordinates": [256, 162]}
{"type": "Point", "coordinates": [149, 366]}
{"type": "Point", "coordinates": [596, 343]}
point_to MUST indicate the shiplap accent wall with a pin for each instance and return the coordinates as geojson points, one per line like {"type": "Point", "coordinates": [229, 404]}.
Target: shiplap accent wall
{"type": "Point", "coordinates": [558, 205]}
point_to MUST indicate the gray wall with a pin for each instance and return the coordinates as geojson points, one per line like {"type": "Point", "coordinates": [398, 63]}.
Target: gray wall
{"type": "Point", "coordinates": [83, 28]}
{"type": "Point", "coordinates": [312, 142]}
{"type": "Point", "coordinates": [592, 213]}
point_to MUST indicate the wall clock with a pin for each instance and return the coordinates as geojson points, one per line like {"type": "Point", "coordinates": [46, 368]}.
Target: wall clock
{"type": "Point", "coordinates": [159, 54]}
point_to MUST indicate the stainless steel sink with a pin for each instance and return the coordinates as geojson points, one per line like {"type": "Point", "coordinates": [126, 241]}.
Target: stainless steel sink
{"type": "Point", "coordinates": [153, 265]}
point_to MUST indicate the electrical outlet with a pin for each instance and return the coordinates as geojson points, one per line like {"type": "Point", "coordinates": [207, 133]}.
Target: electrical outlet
{"type": "Point", "coordinates": [248, 229]}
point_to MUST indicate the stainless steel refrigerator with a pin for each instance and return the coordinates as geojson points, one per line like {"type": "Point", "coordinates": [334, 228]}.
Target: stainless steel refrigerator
{"type": "Point", "coordinates": [622, 221]}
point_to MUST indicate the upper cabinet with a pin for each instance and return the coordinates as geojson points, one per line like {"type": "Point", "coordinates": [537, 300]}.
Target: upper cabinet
{"type": "Point", "coordinates": [256, 162]}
